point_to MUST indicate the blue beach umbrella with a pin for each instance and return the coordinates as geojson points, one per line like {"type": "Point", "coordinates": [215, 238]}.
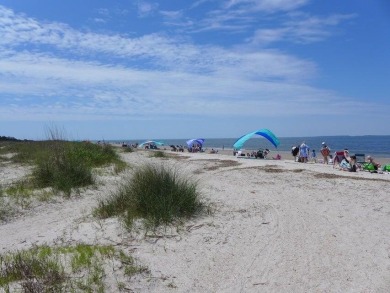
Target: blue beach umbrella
{"type": "Point", "coordinates": [151, 142]}
{"type": "Point", "coordinates": [195, 141]}
{"type": "Point", "coordinates": [262, 132]}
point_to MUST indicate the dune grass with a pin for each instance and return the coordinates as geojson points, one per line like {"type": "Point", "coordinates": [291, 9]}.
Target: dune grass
{"type": "Point", "coordinates": [155, 193]}
{"type": "Point", "coordinates": [158, 154]}
{"type": "Point", "coordinates": [66, 166]}
{"type": "Point", "coordinates": [80, 268]}
{"type": "Point", "coordinates": [128, 150]}
{"type": "Point", "coordinates": [62, 164]}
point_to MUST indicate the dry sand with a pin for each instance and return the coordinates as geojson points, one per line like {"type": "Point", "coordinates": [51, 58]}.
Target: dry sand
{"type": "Point", "coordinates": [277, 226]}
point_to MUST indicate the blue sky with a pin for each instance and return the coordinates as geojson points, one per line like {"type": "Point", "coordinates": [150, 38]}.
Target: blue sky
{"type": "Point", "coordinates": [182, 69]}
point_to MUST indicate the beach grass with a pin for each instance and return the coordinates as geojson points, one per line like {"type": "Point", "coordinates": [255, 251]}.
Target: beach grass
{"type": "Point", "coordinates": [5, 209]}
{"type": "Point", "coordinates": [80, 268]}
{"type": "Point", "coordinates": [65, 166]}
{"type": "Point", "coordinates": [155, 193]}
{"type": "Point", "coordinates": [128, 150]}
{"type": "Point", "coordinates": [158, 154]}
{"type": "Point", "coordinates": [62, 164]}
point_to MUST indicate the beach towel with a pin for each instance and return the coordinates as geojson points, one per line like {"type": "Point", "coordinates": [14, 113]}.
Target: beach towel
{"type": "Point", "coordinates": [386, 168]}
{"type": "Point", "coordinates": [345, 165]}
{"type": "Point", "coordinates": [368, 167]}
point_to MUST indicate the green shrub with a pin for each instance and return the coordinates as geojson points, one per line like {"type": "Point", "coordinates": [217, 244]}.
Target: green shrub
{"type": "Point", "coordinates": [63, 168]}
{"type": "Point", "coordinates": [155, 193]}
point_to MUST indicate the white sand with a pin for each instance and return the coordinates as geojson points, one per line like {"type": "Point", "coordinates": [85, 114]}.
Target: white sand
{"type": "Point", "coordinates": [277, 226]}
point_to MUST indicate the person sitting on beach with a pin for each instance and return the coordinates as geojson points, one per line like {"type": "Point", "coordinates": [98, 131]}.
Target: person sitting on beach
{"type": "Point", "coordinates": [213, 151]}
{"type": "Point", "coordinates": [278, 157]}
{"type": "Point", "coordinates": [348, 163]}
{"type": "Point", "coordinates": [370, 160]}
{"type": "Point", "coordinates": [352, 164]}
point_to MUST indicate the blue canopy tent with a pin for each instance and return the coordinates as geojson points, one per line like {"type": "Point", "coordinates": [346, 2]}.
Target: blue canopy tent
{"type": "Point", "coordinates": [263, 132]}
{"type": "Point", "coordinates": [151, 143]}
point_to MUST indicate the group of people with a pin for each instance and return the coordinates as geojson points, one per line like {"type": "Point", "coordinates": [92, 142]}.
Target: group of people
{"type": "Point", "coordinates": [347, 162]}
{"type": "Point", "coordinates": [302, 153]}
{"type": "Point", "coordinates": [195, 148]}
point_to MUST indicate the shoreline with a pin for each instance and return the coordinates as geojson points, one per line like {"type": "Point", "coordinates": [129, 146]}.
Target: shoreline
{"type": "Point", "coordinates": [376, 146]}
{"type": "Point", "coordinates": [285, 155]}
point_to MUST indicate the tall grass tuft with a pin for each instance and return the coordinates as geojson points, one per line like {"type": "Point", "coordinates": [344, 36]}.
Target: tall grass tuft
{"type": "Point", "coordinates": [63, 167]}
{"type": "Point", "coordinates": [155, 193]}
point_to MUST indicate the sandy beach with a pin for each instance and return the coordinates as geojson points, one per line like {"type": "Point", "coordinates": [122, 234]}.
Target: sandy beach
{"type": "Point", "coordinates": [275, 226]}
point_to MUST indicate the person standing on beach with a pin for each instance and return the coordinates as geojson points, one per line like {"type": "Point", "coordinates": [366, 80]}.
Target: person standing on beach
{"type": "Point", "coordinates": [294, 152]}
{"type": "Point", "coordinates": [325, 151]}
{"type": "Point", "coordinates": [314, 156]}
{"type": "Point", "coordinates": [303, 152]}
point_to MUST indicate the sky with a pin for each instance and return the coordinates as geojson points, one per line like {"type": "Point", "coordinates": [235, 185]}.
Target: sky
{"type": "Point", "coordinates": [110, 69]}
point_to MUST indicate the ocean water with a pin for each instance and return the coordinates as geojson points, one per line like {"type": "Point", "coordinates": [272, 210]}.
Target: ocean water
{"type": "Point", "coordinates": [375, 145]}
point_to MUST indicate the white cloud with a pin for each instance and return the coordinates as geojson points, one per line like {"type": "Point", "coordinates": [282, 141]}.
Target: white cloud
{"type": "Point", "coordinates": [73, 81]}
{"type": "Point", "coordinates": [266, 5]}
{"type": "Point", "coordinates": [57, 89]}
{"type": "Point", "coordinates": [146, 8]}
{"type": "Point", "coordinates": [301, 28]}
{"type": "Point", "coordinates": [171, 14]}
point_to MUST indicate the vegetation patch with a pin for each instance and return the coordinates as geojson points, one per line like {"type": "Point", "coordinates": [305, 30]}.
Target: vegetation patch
{"type": "Point", "coordinates": [6, 210]}
{"type": "Point", "coordinates": [267, 168]}
{"type": "Point", "coordinates": [274, 170]}
{"type": "Point", "coordinates": [222, 164]}
{"type": "Point", "coordinates": [81, 268]}
{"type": "Point", "coordinates": [20, 193]}
{"type": "Point", "coordinates": [158, 154]}
{"type": "Point", "coordinates": [335, 176]}
{"type": "Point", "coordinates": [62, 164]}
{"type": "Point", "coordinates": [179, 157]}
{"type": "Point", "coordinates": [128, 150]}
{"type": "Point", "coordinates": [155, 193]}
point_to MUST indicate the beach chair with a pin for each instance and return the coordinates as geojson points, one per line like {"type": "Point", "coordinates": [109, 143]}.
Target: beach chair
{"type": "Point", "coordinates": [338, 157]}
{"type": "Point", "coordinates": [360, 160]}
